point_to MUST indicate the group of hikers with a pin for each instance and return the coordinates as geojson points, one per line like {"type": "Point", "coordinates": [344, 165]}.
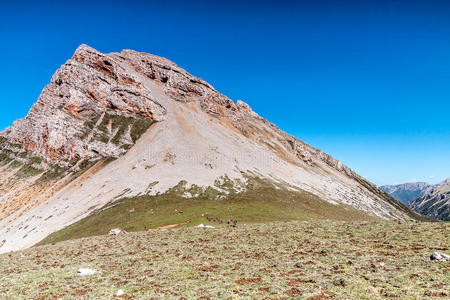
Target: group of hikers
{"type": "Point", "coordinates": [220, 221]}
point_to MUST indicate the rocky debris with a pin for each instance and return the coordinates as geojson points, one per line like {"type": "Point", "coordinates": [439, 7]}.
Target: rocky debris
{"type": "Point", "coordinates": [339, 282]}
{"type": "Point", "coordinates": [293, 292]}
{"type": "Point", "coordinates": [87, 272]}
{"type": "Point", "coordinates": [439, 256]}
{"type": "Point", "coordinates": [117, 231]}
{"type": "Point", "coordinates": [120, 293]}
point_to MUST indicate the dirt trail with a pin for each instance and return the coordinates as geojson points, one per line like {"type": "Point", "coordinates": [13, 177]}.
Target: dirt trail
{"type": "Point", "coordinates": [170, 225]}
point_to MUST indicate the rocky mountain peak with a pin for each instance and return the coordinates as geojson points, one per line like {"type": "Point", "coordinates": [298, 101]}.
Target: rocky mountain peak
{"type": "Point", "coordinates": [124, 124]}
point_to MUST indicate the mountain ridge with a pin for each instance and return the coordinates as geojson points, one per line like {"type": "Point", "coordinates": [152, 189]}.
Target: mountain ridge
{"type": "Point", "coordinates": [435, 202]}
{"type": "Point", "coordinates": [407, 192]}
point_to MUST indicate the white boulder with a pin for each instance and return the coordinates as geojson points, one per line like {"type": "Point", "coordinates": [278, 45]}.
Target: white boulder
{"type": "Point", "coordinates": [439, 256]}
{"type": "Point", "coordinates": [117, 231]}
{"type": "Point", "coordinates": [204, 226]}
{"type": "Point", "coordinates": [86, 272]}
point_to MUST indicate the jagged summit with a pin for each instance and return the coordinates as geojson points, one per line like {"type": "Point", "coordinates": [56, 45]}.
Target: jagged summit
{"type": "Point", "coordinates": [85, 47]}
{"type": "Point", "coordinates": [124, 124]}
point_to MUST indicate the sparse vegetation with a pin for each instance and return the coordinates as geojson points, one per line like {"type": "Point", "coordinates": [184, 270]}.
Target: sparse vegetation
{"type": "Point", "coordinates": [55, 172]}
{"type": "Point", "coordinates": [36, 159]}
{"type": "Point", "coordinates": [118, 122]}
{"type": "Point", "coordinates": [15, 164]}
{"type": "Point", "coordinates": [261, 202]}
{"type": "Point", "coordinates": [27, 171]}
{"type": "Point", "coordinates": [5, 156]}
{"type": "Point", "coordinates": [321, 259]}
{"type": "Point", "coordinates": [89, 125]}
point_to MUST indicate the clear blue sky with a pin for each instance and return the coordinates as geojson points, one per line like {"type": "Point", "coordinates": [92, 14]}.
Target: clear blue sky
{"type": "Point", "coordinates": [367, 82]}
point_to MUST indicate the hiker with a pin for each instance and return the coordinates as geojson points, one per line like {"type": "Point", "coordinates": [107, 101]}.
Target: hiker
{"type": "Point", "coordinates": [234, 223]}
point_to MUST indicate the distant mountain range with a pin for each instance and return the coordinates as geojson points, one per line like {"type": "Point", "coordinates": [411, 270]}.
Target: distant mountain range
{"type": "Point", "coordinates": [435, 202]}
{"type": "Point", "coordinates": [427, 199]}
{"type": "Point", "coordinates": [407, 192]}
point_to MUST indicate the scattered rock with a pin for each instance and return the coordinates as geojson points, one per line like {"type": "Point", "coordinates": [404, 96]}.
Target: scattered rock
{"type": "Point", "coordinates": [120, 293]}
{"type": "Point", "coordinates": [254, 280]}
{"type": "Point", "coordinates": [293, 292]}
{"type": "Point", "coordinates": [320, 296]}
{"type": "Point", "coordinates": [299, 265]}
{"type": "Point", "coordinates": [439, 256]}
{"type": "Point", "coordinates": [339, 282]}
{"type": "Point", "coordinates": [373, 267]}
{"type": "Point", "coordinates": [86, 272]}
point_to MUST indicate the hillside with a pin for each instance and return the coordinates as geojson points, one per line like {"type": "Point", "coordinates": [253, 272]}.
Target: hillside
{"type": "Point", "coordinates": [435, 203]}
{"type": "Point", "coordinates": [259, 203]}
{"type": "Point", "coordinates": [321, 259]}
{"type": "Point", "coordinates": [110, 128]}
{"type": "Point", "coordinates": [407, 192]}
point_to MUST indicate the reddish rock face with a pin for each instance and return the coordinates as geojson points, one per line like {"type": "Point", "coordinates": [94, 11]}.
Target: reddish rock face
{"type": "Point", "coordinates": [90, 85]}
{"type": "Point", "coordinates": [87, 87]}
{"type": "Point", "coordinates": [66, 121]}
{"type": "Point", "coordinates": [79, 113]}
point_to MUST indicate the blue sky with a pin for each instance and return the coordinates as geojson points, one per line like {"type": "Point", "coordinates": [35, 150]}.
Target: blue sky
{"type": "Point", "coordinates": [366, 81]}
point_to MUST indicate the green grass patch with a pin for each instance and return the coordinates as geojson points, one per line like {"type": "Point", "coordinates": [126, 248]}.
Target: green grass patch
{"type": "Point", "coordinates": [5, 156]}
{"type": "Point", "coordinates": [36, 159]}
{"type": "Point", "coordinates": [27, 171]}
{"type": "Point", "coordinates": [89, 125]}
{"type": "Point", "coordinates": [55, 172]}
{"type": "Point", "coordinates": [259, 204]}
{"type": "Point", "coordinates": [138, 125]}
{"type": "Point", "coordinates": [15, 164]}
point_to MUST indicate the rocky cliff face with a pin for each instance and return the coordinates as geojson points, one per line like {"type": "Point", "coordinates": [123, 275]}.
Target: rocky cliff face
{"type": "Point", "coordinates": [435, 202]}
{"type": "Point", "coordinates": [129, 123]}
{"type": "Point", "coordinates": [407, 192]}
{"type": "Point", "coordinates": [91, 108]}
